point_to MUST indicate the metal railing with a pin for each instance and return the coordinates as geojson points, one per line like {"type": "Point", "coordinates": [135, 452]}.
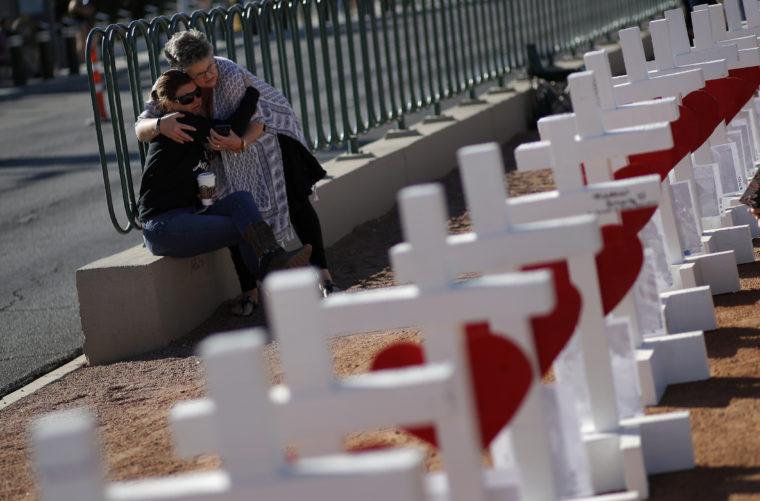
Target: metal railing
{"type": "Point", "coordinates": [349, 66]}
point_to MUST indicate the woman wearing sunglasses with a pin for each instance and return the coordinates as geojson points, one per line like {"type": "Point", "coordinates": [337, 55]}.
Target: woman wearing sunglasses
{"type": "Point", "coordinates": [275, 164]}
{"type": "Point", "coordinates": [174, 224]}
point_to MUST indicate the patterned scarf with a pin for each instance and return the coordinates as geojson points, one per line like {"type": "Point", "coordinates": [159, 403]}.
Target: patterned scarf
{"type": "Point", "coordinates": [259, 168]}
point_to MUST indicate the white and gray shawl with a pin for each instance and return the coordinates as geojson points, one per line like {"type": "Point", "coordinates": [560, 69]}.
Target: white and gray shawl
{"type": "Point", "coordinates": [258, 169]}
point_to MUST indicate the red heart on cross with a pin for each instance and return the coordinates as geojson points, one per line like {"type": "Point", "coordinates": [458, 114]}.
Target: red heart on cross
{"type": "Point", "coordinates": [635, 219]}
{"type": "Point", "coordinates": [690, 131]}
{"type": "Point", "coordinates": [617, 264]}
{"type": "Point", "coordinates": [731, 93]}
{"type": "Point", "coordinates": [706, 113]}
{"type": "Point", "coordinates": [551, 332]}
{"type": "Point", "coordinates": [685, 133]}
{"type": "Point", "coordinates": [501, 376]}
{"type": "Point", "coordinates": [751, 74]}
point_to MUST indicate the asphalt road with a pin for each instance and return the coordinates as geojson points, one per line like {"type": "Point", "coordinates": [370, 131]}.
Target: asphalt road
{"type": "Point", "coordinates": [52, 221]}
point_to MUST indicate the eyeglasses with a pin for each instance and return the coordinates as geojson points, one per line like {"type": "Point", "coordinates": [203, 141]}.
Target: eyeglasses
{"type": "Point", "coordinates": [188, 98]}
{"type": "Point", "coordinates": [209, 69]}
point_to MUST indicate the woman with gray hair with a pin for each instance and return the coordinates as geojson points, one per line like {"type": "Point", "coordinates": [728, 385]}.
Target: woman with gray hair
{"type": "Point", "coordinates": [271, 159]}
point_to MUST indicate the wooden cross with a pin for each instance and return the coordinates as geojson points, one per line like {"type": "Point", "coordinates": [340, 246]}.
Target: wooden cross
{"type": "Point", "coordinates": [249, 437]}
{"type": "Point", "coordinates": [705, 49]}
{"type": "Point", "coordinates": [314, 404]}
{"type": "Point", "coordinates": [726, 23]}
{"type": "Point", "coordinates": [496, 245]}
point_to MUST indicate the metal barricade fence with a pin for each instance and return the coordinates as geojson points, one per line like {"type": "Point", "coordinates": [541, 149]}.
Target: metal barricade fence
{"type": "Point", "coordinates": [349, 66]}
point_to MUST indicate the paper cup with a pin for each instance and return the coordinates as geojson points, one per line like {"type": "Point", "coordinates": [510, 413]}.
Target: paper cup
{"type": "Point", "coordinates": [207, 187]}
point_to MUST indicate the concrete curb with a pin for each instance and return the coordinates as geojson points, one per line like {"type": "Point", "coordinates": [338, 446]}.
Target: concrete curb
{"type": "Point", "coordinates": [38, 383]}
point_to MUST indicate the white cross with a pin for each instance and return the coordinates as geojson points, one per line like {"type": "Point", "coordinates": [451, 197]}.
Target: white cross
{"type": "Point", "coordinates": [705, 48]}
{"type": "Point", "coordinates": [315, 411]}
{"type": "Point", "coordinates": [497, 244]}
{"type": "Point", "coordinates": [565, 150]}
{"type": "Point", "coordinates": [726, 22]}
{"type": "Point", "coordinates": [438, 304]}
{"type": "Point", "coordinates": [666, 85]}
{"type": "Point", "coordinates": [249, 439]}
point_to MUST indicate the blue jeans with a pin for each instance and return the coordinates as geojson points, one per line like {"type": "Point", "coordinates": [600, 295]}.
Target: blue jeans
{"type": "Point", "coordinates": [182, 233]}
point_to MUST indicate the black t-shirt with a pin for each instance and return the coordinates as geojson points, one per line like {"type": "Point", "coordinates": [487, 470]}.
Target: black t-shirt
{"type": "Point", "coordinates": [169, 178]}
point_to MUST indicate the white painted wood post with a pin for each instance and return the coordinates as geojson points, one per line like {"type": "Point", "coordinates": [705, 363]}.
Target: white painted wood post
{"type": "Point", "coordinates": [245, 429]}
{"type": "Point", "coordinates": [423, 215]}
{"type": "Point", "coordinates": [442, 308]}
{"type": "Point", "coordinates": [565, 160]}
{"type": "Point", "coordinates": [236, 379]}
{"type": "Point", "coordinates": [66, 456]}
{"type": "Point", "coordinates": [424, 225]}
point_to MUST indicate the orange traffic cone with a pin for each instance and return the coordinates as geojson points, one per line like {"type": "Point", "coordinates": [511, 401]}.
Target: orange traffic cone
{"type": "Point", "coordinates": [98, 80]}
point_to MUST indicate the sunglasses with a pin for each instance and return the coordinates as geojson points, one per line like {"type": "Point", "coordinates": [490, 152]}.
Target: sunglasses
{"type": "Point", "coordinates": [188, 98]}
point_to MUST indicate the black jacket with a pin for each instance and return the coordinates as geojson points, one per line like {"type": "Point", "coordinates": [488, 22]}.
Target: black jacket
{"type": "Point", "coordinates": [169, 178]}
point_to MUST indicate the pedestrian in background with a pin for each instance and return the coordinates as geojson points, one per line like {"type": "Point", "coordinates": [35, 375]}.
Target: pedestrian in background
{"type": "Point", "coordinates": [83, 13]}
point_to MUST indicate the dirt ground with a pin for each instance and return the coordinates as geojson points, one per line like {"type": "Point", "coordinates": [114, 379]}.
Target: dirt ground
{"type": "Point", "coordinates": [131, 399]}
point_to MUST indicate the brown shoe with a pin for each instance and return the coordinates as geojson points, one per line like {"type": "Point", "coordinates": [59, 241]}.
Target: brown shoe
{"type": "Point", "coordinates": [280, 259]}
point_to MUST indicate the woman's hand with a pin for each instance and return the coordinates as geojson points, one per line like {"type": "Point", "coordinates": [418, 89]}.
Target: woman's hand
{"type": "Point", "coordinates": [175, 130]}
{"type": "Point", "coordinates": [219, 142]}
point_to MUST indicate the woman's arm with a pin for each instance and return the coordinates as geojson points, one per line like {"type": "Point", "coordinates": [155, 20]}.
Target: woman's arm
{"type": "Point", "coordinates": [240, 118]}
{"type": "Point", "coordinates": [148, 129]}
{"type": "Point", "coordinates": [243, 131]}
{"type": "Point", "coordinates": [150, 124]}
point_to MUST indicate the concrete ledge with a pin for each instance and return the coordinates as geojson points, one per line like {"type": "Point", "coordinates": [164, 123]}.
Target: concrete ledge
{"type": "Point", "coordinates": [134, 302]}
{"type": "Point", "coordinates": [368, 186]}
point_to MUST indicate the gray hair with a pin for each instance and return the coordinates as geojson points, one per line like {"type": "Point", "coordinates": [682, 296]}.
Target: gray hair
{"type": "Point", "coordinates": [186, 48]}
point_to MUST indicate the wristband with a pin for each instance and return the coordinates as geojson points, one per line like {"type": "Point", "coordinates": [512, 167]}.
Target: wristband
{"type": "Point", "coordinates": [158, 125]}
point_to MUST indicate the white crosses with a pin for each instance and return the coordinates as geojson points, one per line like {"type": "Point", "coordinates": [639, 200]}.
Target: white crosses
{"type": "Point", "coordinates": [567, 153]}
{"type": "Point", "coordinates": [498, 244]}
{"type": "Point", "coordinates": [639, 84]}
{"type": "Point", "coordinates": [712, 21]}
{"type": "Point", "coordinates": [249, 424]}
{"type": "Point", "coordinates": [733, 20]}
{"type": "Point", "coordinates": [751, 10]}
{"type": "Point", "coordinates": [673, 84]}
{"type": "Point", "coordinates": [705, 49]}
{"type": "Point", "coordinates": [428, 264]}
{"type": "Point", "coordinates": [441, 306]}
{"type": "Point", "coordinates": [250, 441]}
{"type": "Point", "coordinates": [664, 55]}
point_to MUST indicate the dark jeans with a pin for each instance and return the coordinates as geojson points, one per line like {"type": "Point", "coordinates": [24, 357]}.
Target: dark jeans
{"type": "Point", "coordinates": [182, 233]}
